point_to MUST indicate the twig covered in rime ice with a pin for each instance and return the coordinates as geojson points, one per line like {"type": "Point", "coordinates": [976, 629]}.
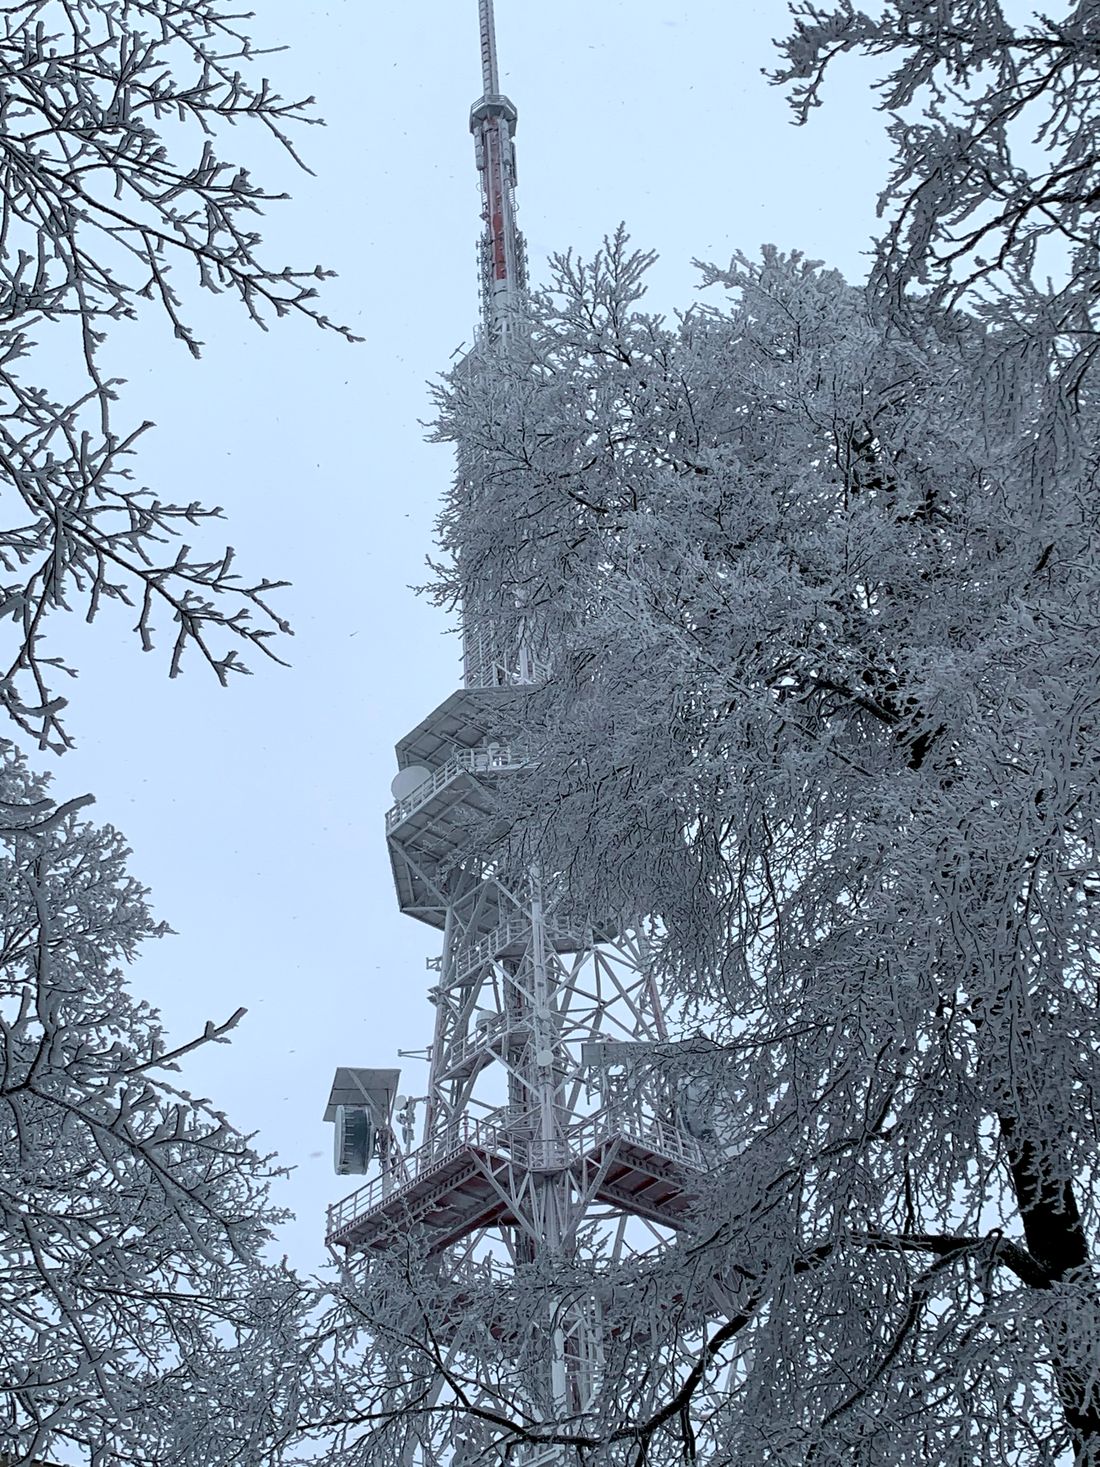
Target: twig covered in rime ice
{"type": "Point", "coordinates": [117, 198]}
{"type": "Point", "coordinates": [139, 1317]}
{"type": "Point", "coordinates": [993, 199]}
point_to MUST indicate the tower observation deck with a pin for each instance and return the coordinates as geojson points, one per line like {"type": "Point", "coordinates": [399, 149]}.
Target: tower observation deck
{"type": "Point", "coordinates": [536, 1146]}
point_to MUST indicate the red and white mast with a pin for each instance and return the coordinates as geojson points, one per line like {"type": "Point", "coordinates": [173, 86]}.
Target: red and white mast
{"type": "Point", "coordinates": [502, 253]}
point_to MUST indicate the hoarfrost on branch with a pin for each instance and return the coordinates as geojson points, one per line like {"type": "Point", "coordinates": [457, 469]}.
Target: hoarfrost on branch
{"type": "Point", "coordinates": [140, 1320]}
{"type": "Point", "coordinates": [824, 705]}
{"type": "Point", "coordinates": [117, 198]}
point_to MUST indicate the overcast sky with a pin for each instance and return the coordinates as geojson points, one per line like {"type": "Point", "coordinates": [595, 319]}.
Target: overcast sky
{"type": "Point", "coordinates": [255, 815]}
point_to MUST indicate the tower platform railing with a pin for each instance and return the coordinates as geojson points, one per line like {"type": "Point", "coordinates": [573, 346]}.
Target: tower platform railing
{"type": "Point", "coordinates": [510, 1132]}
{"type": "Point", "coordinates": [505, 1130]}
{"type": "Point", "coordinates": [645, 1129]}
{"type": "Point", "coordinates": [479, 1041]}
{"type": "Point", "coordinates": [515, 933]}
{"type": "Point", "coordinates": [490, 759]}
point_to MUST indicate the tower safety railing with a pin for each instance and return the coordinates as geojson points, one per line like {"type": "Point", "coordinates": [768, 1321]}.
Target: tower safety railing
{"type": "Point", "coordinates": [492, 759]}
{"type": "Point", "coordinates": [508, 1131]}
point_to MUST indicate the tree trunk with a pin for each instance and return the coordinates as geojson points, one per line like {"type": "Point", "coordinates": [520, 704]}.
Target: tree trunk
{"type": "Point", "coordinates": [1056, 1239]}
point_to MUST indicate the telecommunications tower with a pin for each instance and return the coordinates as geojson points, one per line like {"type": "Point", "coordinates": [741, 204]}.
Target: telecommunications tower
{"type": "Point", "coordinates": [538, 1145]}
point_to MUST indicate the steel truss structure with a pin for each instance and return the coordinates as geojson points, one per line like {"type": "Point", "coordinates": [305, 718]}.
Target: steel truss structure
{"type": "Point", "coordinates": [534, 1154]}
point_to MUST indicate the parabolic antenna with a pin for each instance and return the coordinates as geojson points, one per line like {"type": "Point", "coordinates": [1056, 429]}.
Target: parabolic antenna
{"type": "Point", "coordinates": [407, 781]}
{"type": "Point", "coordinates": [353, 1141]}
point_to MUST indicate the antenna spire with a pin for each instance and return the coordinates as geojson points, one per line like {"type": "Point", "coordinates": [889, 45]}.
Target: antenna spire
{"type": "Point", "coordinates": [490, 83]}
{"type": "Point", "coordinates": [502, 254]}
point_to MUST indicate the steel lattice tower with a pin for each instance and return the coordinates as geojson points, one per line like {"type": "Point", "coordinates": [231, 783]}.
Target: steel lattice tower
{"type": "Point", "coordinates": [528, 1143]}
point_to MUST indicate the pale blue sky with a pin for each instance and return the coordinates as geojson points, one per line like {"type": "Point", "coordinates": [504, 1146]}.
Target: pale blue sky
{"type": "Point", "coordinates": [256, 814]}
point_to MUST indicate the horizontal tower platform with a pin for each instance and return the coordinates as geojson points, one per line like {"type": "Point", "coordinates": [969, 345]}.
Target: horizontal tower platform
{"type": "Point", "coordinates": [467, 718]}
{"type": "Point", "coordinates": [633, 1164]}
{"type": "Point", "coordinates": [429, 833]}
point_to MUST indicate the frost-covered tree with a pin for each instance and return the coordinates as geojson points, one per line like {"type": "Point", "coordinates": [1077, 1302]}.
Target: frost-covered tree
{"type": "Point", "coordinates": [1002, 153]}
{"type": "Point", "coordinates": [116, 196]}
{"type": "Point", "coordinates": [139, 1319]}
{"type": "Point", "coordinates": [820, 590]}
{"type": "Point", "coordinates": [994, 194]}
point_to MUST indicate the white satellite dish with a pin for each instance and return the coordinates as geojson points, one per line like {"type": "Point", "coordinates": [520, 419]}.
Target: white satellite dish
{"type": "Point", "coordinates": [408, 780]}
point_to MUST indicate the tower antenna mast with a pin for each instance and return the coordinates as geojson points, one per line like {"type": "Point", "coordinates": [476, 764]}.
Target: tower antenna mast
{"type": "Point", "coordinates": [502, 254]}
{"type": "Point", "coordinates": [489, 77]}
